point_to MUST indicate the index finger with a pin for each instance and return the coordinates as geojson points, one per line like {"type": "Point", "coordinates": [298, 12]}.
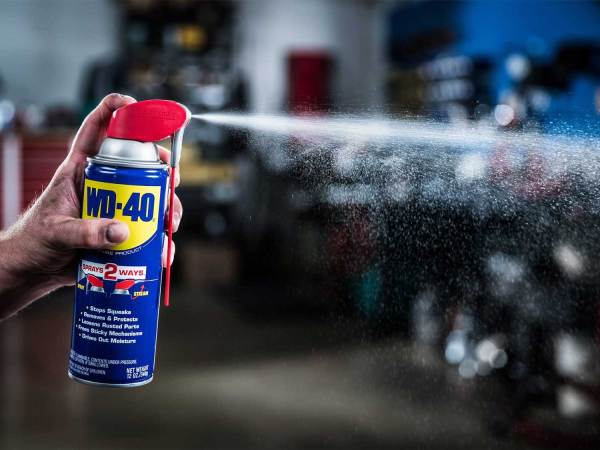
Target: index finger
{"type": "Point", "coordinates": [93, 129]}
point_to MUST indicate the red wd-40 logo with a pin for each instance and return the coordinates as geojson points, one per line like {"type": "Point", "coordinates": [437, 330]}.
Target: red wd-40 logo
{"type": "Point", "coordinates": [137, 206]}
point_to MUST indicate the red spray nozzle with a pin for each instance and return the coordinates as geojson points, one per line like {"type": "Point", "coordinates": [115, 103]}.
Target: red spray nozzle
{"type": "Point", "coordinates": [148, 120]}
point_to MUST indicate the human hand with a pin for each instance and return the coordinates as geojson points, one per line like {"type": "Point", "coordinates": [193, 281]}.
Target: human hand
{"type": "Point", "coordinates": [39, 253]}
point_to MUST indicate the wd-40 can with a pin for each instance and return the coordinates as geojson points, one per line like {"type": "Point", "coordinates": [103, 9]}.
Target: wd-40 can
{"type": "Point", "coordinates": [115, 315]}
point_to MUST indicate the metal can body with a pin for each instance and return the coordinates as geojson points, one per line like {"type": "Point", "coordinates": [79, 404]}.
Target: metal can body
{"type": "Point", "coordinates": [115, 315]}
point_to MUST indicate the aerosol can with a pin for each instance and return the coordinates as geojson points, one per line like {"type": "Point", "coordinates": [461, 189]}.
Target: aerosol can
{"type": "Point", "coordinates": [117, 292]}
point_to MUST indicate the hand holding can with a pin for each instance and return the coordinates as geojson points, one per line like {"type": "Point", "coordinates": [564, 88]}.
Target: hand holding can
{"type": "Point", "coordinates": [40, 251]}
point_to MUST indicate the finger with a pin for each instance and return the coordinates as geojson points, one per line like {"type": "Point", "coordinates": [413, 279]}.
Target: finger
{"type": "Point", "coordinates": [90, 233]}
{"type": "Point", "coordinates": [93, 129]}
{"type": "Point", "coordinates": [164, 252]}
{"type": "Point", "coordinates": [177, 214]}
{"type": "Point", "coordinates": [165, 155]}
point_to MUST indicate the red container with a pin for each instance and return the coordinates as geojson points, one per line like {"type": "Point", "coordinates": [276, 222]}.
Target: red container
{"type": "Point", "coordinates": [309, 79]}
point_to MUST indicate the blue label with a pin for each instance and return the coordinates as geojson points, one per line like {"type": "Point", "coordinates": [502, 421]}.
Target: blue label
{"type": "Point", "coordinates": [115, 316]}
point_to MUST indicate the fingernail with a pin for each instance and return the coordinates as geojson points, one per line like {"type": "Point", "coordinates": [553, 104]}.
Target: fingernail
{"type": "Point", "coordinates": [176, 219]}
{"type": "Point", "coordinates": [164, 253]}
{"type": "Point", "coordinates": [126, 97]}
{"type": "Point", "coordinates": [117, 233]}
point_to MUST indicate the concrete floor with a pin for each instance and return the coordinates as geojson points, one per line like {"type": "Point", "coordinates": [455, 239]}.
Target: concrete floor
{"type": "Point", "coordinates": [225, 381]}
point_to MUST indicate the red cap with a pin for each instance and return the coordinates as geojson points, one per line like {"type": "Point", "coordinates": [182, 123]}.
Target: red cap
{"type": "Point", "coordinates": [125, 284]}
{"type": "Point", "coordinates": [94, 281]}
{"type": "Point", "coordinates": [148, 121]}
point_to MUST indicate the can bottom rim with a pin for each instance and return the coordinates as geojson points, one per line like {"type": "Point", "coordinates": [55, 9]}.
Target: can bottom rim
{"type": "Point", "coordinates": [112, 385]}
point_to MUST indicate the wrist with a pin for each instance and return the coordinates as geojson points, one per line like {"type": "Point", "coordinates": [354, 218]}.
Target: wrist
{"type": "Point", "coordinates": [20, 282]}
{"type": "Point", "coordinates": [11, 266]}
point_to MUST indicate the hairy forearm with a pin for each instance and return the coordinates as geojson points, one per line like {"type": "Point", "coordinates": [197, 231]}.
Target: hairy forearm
{"type": "Point", "coordinates": [20, 281]}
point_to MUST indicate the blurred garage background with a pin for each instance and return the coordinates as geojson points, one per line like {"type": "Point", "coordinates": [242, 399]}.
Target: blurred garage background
{"type": "Point", "coordinates": [307, 311]}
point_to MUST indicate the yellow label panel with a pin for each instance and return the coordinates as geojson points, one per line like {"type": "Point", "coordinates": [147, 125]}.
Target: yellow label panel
{"type": "Point", "coordinates": [136, 206]}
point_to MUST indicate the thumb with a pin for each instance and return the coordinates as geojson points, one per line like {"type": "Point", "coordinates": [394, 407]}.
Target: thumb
{"type": "Point", "coordinates": [92, 233]}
